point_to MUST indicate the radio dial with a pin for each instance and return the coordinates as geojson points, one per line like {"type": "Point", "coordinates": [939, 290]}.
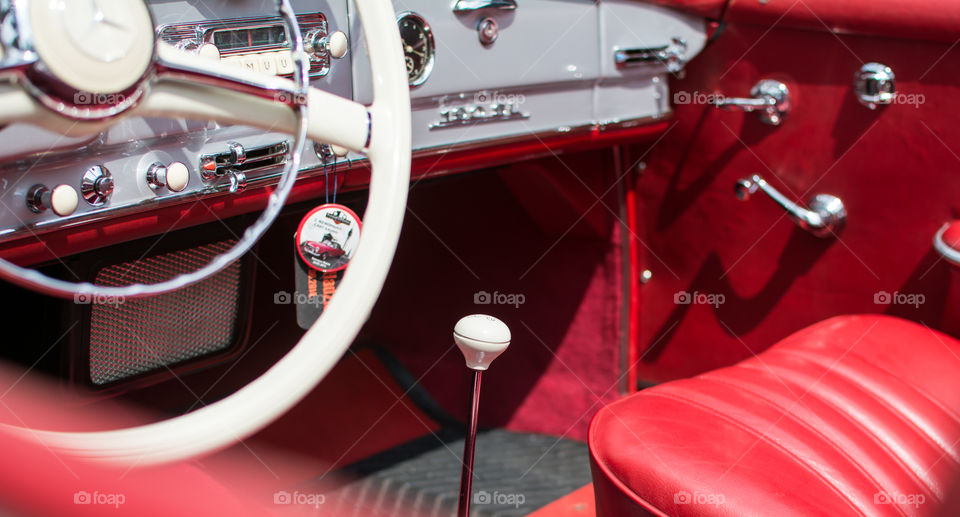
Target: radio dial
{"type": "Point", "coordinates": [335, 44]}
{"type": "Point", "coordinates": [209, 51]}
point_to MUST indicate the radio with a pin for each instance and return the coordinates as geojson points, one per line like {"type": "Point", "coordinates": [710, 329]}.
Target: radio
{"type": "Point", "coordinates": [258, 44]}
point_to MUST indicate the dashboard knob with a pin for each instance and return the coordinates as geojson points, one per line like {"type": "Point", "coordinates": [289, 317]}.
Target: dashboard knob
{"type": "Point", "coordinates": [177, 176]}
{"type": "Point", "coordinates": [174, 176]}
{"type": "Point", "coordinates": [96, 185]}
{"type": "Point", "coordinates": [62, 199]}
{"type": "Point", "coordinates": [209, 51]}
{"type": "Point", "coordinates": [334, 44]}
{"type": "Point", "coordinates": [103, 186]}
{"type": "Point", "coordinates": [337, 44]}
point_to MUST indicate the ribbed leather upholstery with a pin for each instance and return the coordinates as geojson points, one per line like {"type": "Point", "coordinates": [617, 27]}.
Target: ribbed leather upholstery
{"type": "Point", "coordinates": [856, 415]}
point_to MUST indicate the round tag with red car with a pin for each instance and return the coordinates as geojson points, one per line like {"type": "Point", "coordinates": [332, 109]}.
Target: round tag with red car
{"type": "Point", "coordinates": [327, 237]}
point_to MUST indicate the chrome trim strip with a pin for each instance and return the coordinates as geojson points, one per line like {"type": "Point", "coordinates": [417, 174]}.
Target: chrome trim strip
{"type": "Point", "coordinates": [470, 115]}
{"type": "Point", "coordinates": [671, 56]}
{"type": "Point", "coordinates": [466, 6]}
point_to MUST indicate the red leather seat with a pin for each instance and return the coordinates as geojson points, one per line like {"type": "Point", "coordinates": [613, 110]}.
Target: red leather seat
{"type": "Point", "coordinates": [856, 415]}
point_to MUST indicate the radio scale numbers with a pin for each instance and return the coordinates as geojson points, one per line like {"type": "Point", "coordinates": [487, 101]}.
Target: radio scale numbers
{"type": "Point", "coordinates": [257, 44]}
{"type": "Point", "coordinates": [418, 47]}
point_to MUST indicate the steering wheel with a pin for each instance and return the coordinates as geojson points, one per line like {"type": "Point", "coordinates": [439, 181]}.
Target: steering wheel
{"type": "Point", "coordinates": [118, 57]}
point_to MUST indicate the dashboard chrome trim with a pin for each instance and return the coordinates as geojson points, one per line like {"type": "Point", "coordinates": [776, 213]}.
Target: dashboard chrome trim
{"type": "Point", "coordinates": [466, 6]}
{"type": "Point", "coordinates": [478, 114]}
{"type": "Point", "coordinates": [269, 177]}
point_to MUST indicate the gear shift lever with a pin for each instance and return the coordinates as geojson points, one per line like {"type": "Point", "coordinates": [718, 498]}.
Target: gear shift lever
{"type": "Point", "coordinates": [482, 339]}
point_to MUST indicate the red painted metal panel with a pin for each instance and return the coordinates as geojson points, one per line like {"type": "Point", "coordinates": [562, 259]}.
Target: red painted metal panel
{"type": "Point", "coordinates": [896, 169]}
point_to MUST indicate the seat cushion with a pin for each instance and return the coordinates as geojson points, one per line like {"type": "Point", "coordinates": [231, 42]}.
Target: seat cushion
{"type": "Point", "coordinates": [856, 415]}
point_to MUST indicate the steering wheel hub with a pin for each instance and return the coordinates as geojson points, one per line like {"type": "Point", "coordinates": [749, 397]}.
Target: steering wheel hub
{"type": "Point", "coordinates": [96, 47]}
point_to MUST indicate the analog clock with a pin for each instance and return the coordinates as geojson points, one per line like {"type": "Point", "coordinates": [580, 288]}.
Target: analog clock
{"type": "Point", "coordinates": [418, 49]}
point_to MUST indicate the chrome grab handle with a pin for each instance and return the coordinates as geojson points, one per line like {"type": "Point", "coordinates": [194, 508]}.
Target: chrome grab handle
{"type": "Point", "coordinates": [464, 6]}
{"type": "Point", "coordinates": [825, 216]}
{"type": "Point", "coordinates": [672, 56]}
{"type": "Point", "coordinates": [946, 251]}
{"type": "Point", "coordinates": [769, 98]}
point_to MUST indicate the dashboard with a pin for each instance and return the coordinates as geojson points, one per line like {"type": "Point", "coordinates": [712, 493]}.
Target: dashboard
{"type": "Point", "coordinates": [482, 73]}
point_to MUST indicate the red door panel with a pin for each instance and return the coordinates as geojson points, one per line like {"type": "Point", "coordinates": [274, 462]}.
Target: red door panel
{"type": "Point", "coordinates": [897, 169]}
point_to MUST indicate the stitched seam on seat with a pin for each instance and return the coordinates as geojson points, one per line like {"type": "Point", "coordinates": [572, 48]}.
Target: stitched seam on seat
{"type": "Point", "coordinates": [948, 410]}
{"type": "Point", "coordinates": [941, 444]}
{"type": "Point", "coordinates": [866, 430]}
{"type": "Point", "coordinates": [810, 428]}
{"type": "Point", "coordinates": [763, 437]}
{"type": "Point", "coordinates": [933, 400]}
{"type": "Point", "coordinates": [919, 390]}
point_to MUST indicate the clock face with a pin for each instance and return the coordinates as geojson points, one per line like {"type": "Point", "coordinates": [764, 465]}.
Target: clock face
{"type": "Point", "coordinates": [418, 49]}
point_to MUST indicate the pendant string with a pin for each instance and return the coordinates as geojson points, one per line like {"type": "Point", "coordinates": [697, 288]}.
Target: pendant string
{"type": "Point", "coordinates": [335, 182]}
{"type": "Point", "coordinates": [326, 183]}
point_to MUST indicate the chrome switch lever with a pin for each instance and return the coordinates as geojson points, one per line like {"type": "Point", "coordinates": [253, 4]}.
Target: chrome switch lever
{"type": "Point", "coordinates": [825, 216]}
{"type": "Point", "coordinates": [769, 98]}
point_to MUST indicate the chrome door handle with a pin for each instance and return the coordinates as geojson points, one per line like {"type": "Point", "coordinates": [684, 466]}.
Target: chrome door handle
{"type": "Point", "coordinates": [671, 56]}
{"type": "Point", "coordinates": [825, 216]}
{"type": "Point", "coordinates": [464, 6]}
{"type": "Point", "coordinates": [769, 98]}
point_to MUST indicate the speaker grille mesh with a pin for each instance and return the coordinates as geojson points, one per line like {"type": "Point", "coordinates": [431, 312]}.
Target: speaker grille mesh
{"type": "Point", "coordinates": [142, 335]}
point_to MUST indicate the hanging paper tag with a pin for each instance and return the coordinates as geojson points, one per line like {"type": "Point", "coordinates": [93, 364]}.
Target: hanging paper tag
{"type": "Point", "coordinates": [327, 237]}
{"type": "Point", "coordinates": [325, 241]}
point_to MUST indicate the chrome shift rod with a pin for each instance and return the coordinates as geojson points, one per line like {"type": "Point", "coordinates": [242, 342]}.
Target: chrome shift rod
{"type": "Point", "coordinates": [481, 339]}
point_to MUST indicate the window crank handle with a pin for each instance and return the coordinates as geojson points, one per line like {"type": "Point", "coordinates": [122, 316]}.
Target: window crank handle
{"type": "Point", "coordinates": [825, 216]}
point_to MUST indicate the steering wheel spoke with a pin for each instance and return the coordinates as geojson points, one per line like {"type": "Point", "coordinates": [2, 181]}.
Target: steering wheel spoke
{"type": "Point", "coordinates": [186, 86]}
{"type": "Point", "coordinates": [191, 86]}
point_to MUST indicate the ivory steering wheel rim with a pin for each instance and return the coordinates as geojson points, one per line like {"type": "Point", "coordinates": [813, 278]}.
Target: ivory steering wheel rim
{"type": "Point", "coordinates": [384, 134]}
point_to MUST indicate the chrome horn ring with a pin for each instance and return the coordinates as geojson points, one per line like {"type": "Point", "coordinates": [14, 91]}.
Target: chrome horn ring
{"type": "Point", "coordinates": [28, 65]}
